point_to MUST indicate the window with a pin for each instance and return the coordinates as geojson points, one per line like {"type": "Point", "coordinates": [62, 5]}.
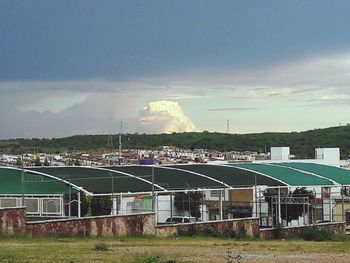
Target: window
{"type": "Point", "coordinates": [8, 202]}
{"type": "Point", "coordinates": [32, 205]}
{"type": "Point", "coordinates": [51, 206]}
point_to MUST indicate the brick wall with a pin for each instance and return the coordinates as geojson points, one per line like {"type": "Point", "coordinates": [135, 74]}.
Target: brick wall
{"type": "Point", "coordinates": [246, 226]}
{"type": "Point", "coordinates": [336, 228]}
{"type": "Point", "coordinates": [12, 221]}
{"type": "Point", "coordinates": [123, 225]}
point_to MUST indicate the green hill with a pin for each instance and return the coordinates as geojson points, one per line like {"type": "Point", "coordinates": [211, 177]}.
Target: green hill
{"type": "Point", "coordinates": [302, 144]}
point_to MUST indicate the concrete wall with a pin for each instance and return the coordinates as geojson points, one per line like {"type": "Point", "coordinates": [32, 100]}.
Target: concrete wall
{"type": "Point", "coordinates": [336, 228]}
{"type": "Point", "coordinates": [12, 221]}
{"type": "Point", "coordinates": [140, 224]}
{"type": "Point", "coordinates": [248, 226]}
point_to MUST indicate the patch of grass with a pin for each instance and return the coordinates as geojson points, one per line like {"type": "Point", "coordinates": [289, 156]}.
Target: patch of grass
{"type": "Point", "coordinates": [137, 249]}
{"type": "Point", "coordinates": [101, 247]}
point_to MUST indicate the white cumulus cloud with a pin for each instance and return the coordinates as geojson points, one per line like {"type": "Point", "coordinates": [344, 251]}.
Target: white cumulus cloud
{"type": "Point", "coordinates": [166, 116]}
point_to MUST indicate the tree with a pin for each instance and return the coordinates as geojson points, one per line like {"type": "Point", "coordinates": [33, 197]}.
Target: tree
{"type": "Point", "coordinates": [76, 162]}
{"type": "Point", "coordinates": [101, 205]}
{"type": "Point", "coordinates": [19, 161]}
{"type": "Point", "coordinates": [46, 162]}
{"type": "Point", "coordinates": [189, 202]}
{"type": "Point", "coordinates": [37, 161]}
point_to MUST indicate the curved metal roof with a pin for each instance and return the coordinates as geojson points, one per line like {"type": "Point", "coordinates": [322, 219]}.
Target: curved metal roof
{"type": "Point", "coordinates": [338, 175]}
{"type": "Point", "coordinates": [232, 176]}
{"type": "Point", "coordinates": [97, 180]}
{"type": "Point", "coordinates": [34, 183]}
{"type": "Point", "coordinates": [171, 178]}
{"type": "Point", "coordinates": [290, 177]}
{"type": "Point", "coordinates": [138, 178]}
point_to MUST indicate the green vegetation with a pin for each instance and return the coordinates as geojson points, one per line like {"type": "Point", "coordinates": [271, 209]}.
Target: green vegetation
{"type": "Point", "coordinates": [316, 234]}
{"type": "Point", "coordinates": [101, 205]}
{"type": "Point", "coordinates": [101, 247]}
{"type": "Point", "coordinates": [302, 143]}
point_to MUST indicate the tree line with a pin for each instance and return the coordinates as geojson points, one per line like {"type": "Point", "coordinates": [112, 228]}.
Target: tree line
{"type": "Point", "coordinates": [302, 144]}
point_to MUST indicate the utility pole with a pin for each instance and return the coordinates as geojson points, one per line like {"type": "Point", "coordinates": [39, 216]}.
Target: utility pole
{"type": "Point", "coordinates": [22, 179]}
{"type": "Point", "coordinates": [110, 147]}
{"type": "Point", "coordinates": [120, 142]}
{"type": "Point", "coordinates": [153, 196]}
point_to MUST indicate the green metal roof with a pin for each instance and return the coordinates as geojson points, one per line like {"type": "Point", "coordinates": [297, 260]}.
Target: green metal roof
{"type": "Point", "coordinates": [33, 183]}
{"type": "Point", "coordinates": [338, 175]}
{"type": "Point", "coordinates": [289, 176]}
{"type": "Point", "coordinates": [233, 176]}
{"type": "Point", "coordinates": [138, 178]}
{"type": "Point", "coordinates": [98, 180]}
{"type": "Point", "coordinates": [171, 178]}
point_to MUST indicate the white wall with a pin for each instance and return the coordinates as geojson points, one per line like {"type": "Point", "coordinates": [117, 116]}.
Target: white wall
{"type": "Point", "coordinates": [329, 156]}
{"type": "Point", "coordinates": [280, 153]}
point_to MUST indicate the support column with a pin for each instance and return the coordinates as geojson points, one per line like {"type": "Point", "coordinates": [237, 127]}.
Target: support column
{"type": "Point", "coordinates": [255, 196]}
{"type": "Point", "coordinates": [279, 206]}
{"type": "Point", "coordinates": [330, 206]}
{"type": "Point", "coordinates": [342, 203]}
{"type": "Point", "coordinates": [79, 206]}
{"type": "Point", "coordinates": [69, 201]}
{"type": "Point", "coordinates": [220, 205]}
{"type": "Point", "coordinates": [114, 205]}
{"type": "Point", "coordinates": [121, 204]}
{"type": "Point", "coordinates": [153, 196]}
{"type": "Point", "coordinates": [171, 207]}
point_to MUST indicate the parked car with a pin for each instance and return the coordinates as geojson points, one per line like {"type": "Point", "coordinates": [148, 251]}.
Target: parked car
{"type": "Point", "coordinates": [181, 219]}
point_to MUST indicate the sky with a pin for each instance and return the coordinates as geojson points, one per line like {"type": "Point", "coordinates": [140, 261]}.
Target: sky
{"type": "Point", "coordinates": [83, 67]}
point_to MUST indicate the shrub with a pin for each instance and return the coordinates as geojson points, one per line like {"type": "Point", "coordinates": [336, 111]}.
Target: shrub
{"type": "Point", "coordinates": [230, 233]}
{"type": "Point", "coordinates": [101, 247]}
{"type": "Point", "coordinates": [316, 234]}
{"type": "Point", "coordinates": [278, 232]}
{"type": "Point", "coordinates": [210, 232]}
{"type": "Point", "coordinates": [151, 259]}
{"type": "Point", "coordinates": [241, 233]}
{"type": "Point", "coordinates": [101, 205]}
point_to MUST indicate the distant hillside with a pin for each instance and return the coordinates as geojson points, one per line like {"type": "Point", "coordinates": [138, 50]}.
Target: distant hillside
{"type": "Point", "coordinates": [302, 143]}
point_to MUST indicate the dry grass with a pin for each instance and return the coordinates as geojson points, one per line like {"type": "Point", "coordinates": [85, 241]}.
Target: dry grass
{"type": "Point", "coordinates": [137, 249]}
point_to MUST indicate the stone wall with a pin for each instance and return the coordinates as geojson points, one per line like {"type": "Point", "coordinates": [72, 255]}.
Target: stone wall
{"type": "Point", "coordinates": [12, 221]}
{"type": "Point", "coordinates": [336, 228]}
{"type": "Point", "coordinates": [123, 225]}
{"type": "Point", "coordinates": [245, 226]}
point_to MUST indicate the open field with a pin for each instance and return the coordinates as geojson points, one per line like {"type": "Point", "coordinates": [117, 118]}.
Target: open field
{"type": "Point", "coordinates": [151, 249]}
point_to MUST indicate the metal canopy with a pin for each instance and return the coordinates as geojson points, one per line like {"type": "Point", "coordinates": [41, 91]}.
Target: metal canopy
{"type": "Point", "coordinates": [11, 183]}
{"type": "Point", "coordinates": [233, 176]}
{"type": "Point", "coordinates": [171, 178]}
{"type": "Point", "coordinates": [338, 175]}
{"type": "Point", "coordinates": [138, 178]}
{"type": "Point", "coordinates": [289, 176]}
{"type": "Point", "coordinates": [98, 180]}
